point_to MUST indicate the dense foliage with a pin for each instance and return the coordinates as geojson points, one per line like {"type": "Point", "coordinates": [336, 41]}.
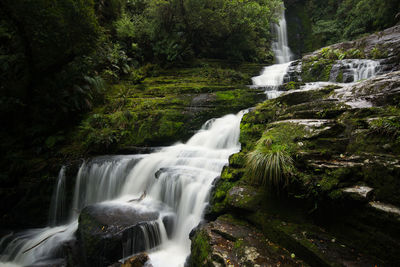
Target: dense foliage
{"type": "Point", "coordinates": [325, 22]}
{"type": "Point", "coordinates": [57, 56]}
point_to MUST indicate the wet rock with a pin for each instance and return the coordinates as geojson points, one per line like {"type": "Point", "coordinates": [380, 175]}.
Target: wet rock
{"type": "Point", "coordinates": [353, 70]}
{"type": "Point", "coordinates": [386, 42]}
{"type": "Point", "coordinates": [294, 72]}
{"type": "Point", "coordinates": [50, 263]}
{"type": "Point", "coordinates": [169, 224]}
{"type": "Point", "coordinates": [379, 91]}
{"type": "Point", "coordinates": [104, 228]}
{"type": "Point", "coordinates": [388, 208]}
{"type": "Point", "coordinates": [245, 197]}
{"type": "Point", "coordinates": [313, 244]}
{"type": "Point", "coordinates": [137, 261]}
{"type": "Point", "coordinates": [231, 242]}
{"type": "Point", "coordinates": [361, 190]}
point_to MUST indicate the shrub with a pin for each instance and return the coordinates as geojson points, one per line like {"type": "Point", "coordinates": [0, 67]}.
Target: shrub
{"type": "Point", "coordinates": [269, 165]}
{"type": "Point", "coordinates": [386, 126]}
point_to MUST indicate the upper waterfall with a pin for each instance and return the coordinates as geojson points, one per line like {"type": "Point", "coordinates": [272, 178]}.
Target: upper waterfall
{"type": "Point", "coordinates": [273, 76]}
{"type": "Point", "coordinates": [281, 49]}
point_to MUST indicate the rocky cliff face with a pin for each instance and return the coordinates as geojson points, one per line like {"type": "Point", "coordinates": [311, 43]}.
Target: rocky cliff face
{"type": "Point", "coordinates": [341, 205]}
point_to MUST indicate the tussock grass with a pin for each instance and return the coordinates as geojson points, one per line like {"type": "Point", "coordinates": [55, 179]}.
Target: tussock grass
{"type": "Point", "coordinates": [269, 165]}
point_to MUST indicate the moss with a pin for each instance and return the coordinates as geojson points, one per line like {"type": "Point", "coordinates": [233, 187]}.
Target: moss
{"type": "Point", "coordinates": [218, 196]}
{"type": "Point", "coordinates": [316, 69]}
{"type": "Point", "coordinates": [162, 109]}
{"type": "Point", "coordinates": [339, 78]}
{"type": "Point", "coordinates": [237, 160]}
{"type": "Point", "coordinates": [378, 52]}
{"type": "Point", "coordinates": [290, 236]}
{"type": "Point", "coordinates": [245, 197]}
{"type": "Point", "coordinates": [328, 183]}
{"type": "Point", "coordinates": [385, 180]}
{"type": "Point", "coordinates": [239, 248]}
{"type": "Point", "coordinates": [285, 134]}
{"type": "Point", "coordinates": [292, 85]}
{"type": "Point", "coordinates": [200, 250]}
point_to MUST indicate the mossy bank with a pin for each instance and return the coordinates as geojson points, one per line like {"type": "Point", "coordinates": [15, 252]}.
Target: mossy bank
{"type": "Point", "coordinates": [340, 203]}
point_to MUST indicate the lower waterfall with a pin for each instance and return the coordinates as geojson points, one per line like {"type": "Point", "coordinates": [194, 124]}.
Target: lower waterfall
{"type": "Point", "coordinates": [173, 183]}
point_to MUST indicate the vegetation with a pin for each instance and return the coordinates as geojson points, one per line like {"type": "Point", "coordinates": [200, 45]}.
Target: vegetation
{"type": "Point", "coordinates": [327, 22]}
{"type": "Point", "coordinates": [269, 164]}
{"type": "Point", "coordinates": [55, 67]}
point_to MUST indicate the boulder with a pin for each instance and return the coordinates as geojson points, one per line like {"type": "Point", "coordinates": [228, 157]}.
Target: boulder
{"type": "Point", "coordinates": [136, 261]}
{"type": "Point", "coordinates": [107, 231]}
{"type": "Point", "coordinates": [245, 197]}
{"type": "Point", "coordinates": [231, 242]}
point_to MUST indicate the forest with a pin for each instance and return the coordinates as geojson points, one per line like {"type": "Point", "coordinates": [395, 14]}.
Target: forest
{"type": "Point", "coordinates": [59, 57]}
{"type": "Point", "coordinates": [80, 79]}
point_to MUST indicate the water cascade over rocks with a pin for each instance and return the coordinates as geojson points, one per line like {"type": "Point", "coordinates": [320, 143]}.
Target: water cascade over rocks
{"type": "Point", "coordinates": [273, 76]}
{"type": "Point", "coordinates": [151, 202]}
{"type": "Point", "coordinates": [58, 208]}
{"type": "Point", "coordinates": [353, 70]}
{"type": "Point", "coordinates": [162, 196]}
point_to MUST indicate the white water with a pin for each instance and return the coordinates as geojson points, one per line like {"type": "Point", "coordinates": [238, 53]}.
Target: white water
{"type": "Point", "coordinates": [273, 76]}
{"type": "Point", "coordinates": [58, 209]}
{"type": "Point", "coordinates": [185, 174]}
{"type": "Point", "coordinates": [354, 69]}
{"type": "Point", "coordinates": [281, 49]}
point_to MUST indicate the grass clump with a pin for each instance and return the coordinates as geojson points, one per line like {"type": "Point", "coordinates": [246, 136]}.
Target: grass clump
{"type": "Point", "coordinates": [269, 165]}
{"type": "Point", "coordinates": [386, 126]}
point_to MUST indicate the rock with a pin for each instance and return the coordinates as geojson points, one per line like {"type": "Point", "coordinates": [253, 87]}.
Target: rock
{"type": "Point", "coordinates": [231, 242]}
{"type": "Point", "coordinates": [388, 208]}
{"type": "Point", "coordinates": [245, 197]}
{"type": "Point", "coordinates": [379, 91]}
{"type": "Point", "coordinates": [361, 190]}
{"type": "Point", "coordinates": [169, 224]}
{"type": "Point", "coordinates": [108, 230]}
{"type": "Point", "coordinates": [50, 263]}
{"type": "Point", "coordinates": [387, 42]}
{"type": "Point", "coordinates": [136, 261]}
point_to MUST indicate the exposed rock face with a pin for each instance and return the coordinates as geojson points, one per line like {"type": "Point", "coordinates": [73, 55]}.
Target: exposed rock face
{"type": "Point", "coordinates": [107, 230]}
{"type": "Point", "coordinates": [382, 90]}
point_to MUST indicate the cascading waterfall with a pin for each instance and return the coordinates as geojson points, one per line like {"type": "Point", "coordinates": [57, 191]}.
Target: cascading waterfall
{"type": "Point", "coordinates": [57, 208]}
{"type": "Point", "coordinates": [281, 49]}
{"type": "Point", "coordinates": [273, 76]}
{"type": "Point", "coordinates": [101, 179]}
{"type": "Point", "coordinates": [353, 70]}
{"type": "Point", "coordinates": [173, 182]}
{"type": "Point", "coordinates": [177, 180]}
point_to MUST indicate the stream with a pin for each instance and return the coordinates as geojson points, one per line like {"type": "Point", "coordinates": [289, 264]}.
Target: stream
{"type": "Point", "coordinates": [173, 182]}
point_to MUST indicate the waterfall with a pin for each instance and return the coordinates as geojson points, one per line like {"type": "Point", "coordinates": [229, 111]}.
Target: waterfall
{"type": "Point", "coordinates": [101, 179]}
{"type": "Point", "coordinates": [273, 76]}
{"type": "Point", "coordinates": [353, 70]}
{"type": "Point", "coordinates": [57, 209]}
{"type": "Point", "coordinates": [174, 182]}
{"type": "Point", "coordinates": [281, 49]}
{"type": "Point", "coordinates": [177, 180]}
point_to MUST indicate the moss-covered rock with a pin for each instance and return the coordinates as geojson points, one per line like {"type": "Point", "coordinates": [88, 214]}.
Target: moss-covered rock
{"type": "Point", "coordinates": [165, 108]}
{"type": "Point", "coordinates": [104, 229]}
{"type": "Point", "coordinates": [340, 138]}
{"type": "Point", "coordinates": [229, 241]}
